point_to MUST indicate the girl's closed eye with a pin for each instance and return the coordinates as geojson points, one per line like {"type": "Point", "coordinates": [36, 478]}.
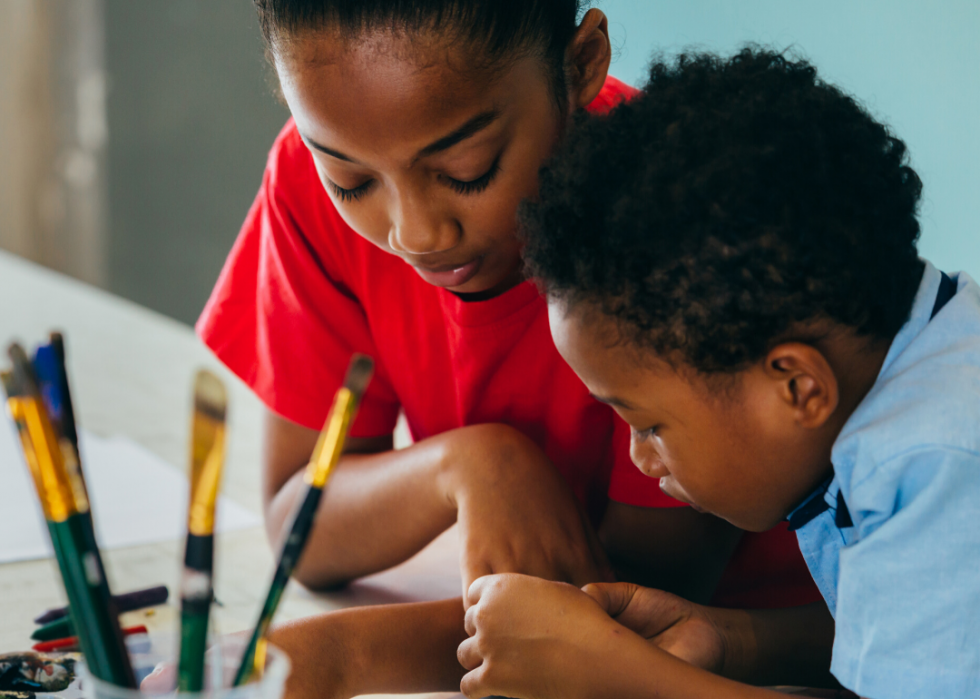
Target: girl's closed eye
{"type": "Point", "coordinates": [479, 184]}
{"type": "Point", "coordinates": [349, 195]}
{"type": "Point", "coordinates": [463, 187]}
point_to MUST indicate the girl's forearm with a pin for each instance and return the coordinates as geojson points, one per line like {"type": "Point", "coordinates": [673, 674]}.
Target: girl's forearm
{"type": "Point", "coordinates": [402, 648]}
{"type": "Point", "coordinates": [378, 510]}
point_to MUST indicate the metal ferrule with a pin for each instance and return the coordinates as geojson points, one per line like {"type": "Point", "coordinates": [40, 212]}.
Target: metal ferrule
{"type": "Point", "coordinates": [207, 459]}
{"type": "Point", "coordinates": [45, 460]}
{"type": "Point", "coordinates": [331, 443]}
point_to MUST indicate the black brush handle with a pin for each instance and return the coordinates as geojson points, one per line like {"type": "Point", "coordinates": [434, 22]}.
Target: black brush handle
{"type": "Point", "coordinates": [292, 548]}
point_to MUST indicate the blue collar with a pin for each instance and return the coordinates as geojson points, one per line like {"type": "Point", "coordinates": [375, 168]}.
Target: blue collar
{"type": "Point", "coordinates": [815, 504]}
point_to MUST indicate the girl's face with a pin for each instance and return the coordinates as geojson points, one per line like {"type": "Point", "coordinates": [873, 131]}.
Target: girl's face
{"type": "Point", "coordinates": [423, 155]}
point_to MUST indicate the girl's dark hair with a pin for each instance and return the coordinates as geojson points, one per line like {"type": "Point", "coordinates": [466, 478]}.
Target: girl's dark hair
{"type": "Point", "coordinates": [733, 202]}
{"type": "Point", "coordinates": [497, 30]}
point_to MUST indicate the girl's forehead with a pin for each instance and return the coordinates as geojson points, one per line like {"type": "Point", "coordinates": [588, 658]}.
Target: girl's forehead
{"type": "Point", "coordinates": [401, 95]}
{"type": "Point", "coordinates": [396, 59]}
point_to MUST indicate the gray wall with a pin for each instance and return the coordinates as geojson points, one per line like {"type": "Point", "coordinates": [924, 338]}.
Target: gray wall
{"type": "Point", "coordinates": [915, 64]}
{"type": "Point", "coordinates": [191, 118]}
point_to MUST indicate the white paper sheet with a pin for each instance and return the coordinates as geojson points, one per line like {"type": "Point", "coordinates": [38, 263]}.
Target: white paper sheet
{"type": "Point", "coordinates": [136, 498]}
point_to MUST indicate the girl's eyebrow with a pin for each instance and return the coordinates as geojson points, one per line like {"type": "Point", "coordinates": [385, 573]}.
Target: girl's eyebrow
{"type": "Point", "coordinates": [329, 151]}
{"type": "Point", "coordinates": [467, 130]}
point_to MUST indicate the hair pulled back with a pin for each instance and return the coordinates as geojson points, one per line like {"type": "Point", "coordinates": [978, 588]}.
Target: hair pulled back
{"type": "Point", "coordinates": [496, 31]}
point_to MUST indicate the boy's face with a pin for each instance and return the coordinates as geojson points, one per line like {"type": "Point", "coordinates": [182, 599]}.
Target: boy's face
{"type": "Point", "coordinates": [731, 446]}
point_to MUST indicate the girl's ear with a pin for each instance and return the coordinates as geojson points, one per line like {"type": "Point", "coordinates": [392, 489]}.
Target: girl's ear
{"type": "Point", "coordinates": [805, 381]}
{"type": "Point", "coordinates": [587, 59]}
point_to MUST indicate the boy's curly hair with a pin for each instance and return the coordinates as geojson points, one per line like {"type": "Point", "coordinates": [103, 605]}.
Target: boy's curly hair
{"type": "Point", "coordinates": [730, 204]}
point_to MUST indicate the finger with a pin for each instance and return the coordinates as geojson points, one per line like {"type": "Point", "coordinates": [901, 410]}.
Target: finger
{"type": "Point", "coordinates": [469, 620]}
{"type": "Point", "coordinates": [474, 593]}
{"type": "Point", "coordinates": [472, 569]}
{"type": "Point", "coordinates": [468, 654]}
{"type": "Point", "coordinates": [614, 598]}
{"type": "Point", "coordinates": [475, 685]}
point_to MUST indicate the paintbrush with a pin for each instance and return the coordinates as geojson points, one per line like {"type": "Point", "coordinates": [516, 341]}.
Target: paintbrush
{"type": "Point", "coordinates": [67, 512]}
{"type": "Point", "coordinates": [51, 375]}
{"type": "Point", "coordinates": [329, 448]}
{"type": "Point", "coordinates": [196, 593]}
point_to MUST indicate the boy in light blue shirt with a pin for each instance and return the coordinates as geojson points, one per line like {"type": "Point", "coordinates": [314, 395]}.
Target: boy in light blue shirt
{"type": "Point", "coordinates": [730, 263]}
{"type": "Point", "coordinates": [893, 539]}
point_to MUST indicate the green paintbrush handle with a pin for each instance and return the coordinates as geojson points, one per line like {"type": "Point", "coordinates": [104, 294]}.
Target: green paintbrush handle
{"type": "Point", "coordinates": [302, 522]}
{"type": "Point", "coordinates": [93, 612]}
{"type": "Point", "coordinates": [195, 606]}
{"type": "Point", "coordinates": [193, 644]}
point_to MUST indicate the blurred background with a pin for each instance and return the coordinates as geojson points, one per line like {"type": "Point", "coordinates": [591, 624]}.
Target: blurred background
{"type": "Point", "coordinates": [133, 135]}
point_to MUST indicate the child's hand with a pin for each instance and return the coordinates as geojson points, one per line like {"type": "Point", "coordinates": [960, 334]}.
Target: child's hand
{"type": "Point", "coordinates": [516, 513]}
{"type": "Point", "coordinates": [683, 629]}
{"type": "Point", "coordinates": [534, 638]}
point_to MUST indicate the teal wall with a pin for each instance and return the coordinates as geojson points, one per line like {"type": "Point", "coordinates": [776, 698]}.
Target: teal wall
{"type": "Point", "coordinates": [914, 64]}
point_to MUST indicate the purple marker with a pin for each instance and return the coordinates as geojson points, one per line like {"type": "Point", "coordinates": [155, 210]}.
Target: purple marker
{"type": "Point", "coordinates": [131, 601]}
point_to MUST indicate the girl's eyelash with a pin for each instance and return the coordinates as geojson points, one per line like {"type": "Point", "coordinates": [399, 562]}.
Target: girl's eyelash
{"type": "Point", "coordinates": [471, 187]}
{"type": "Point", "coordinates": [349, 195]}
{"type": "Point", "coordinates": [479, 184]}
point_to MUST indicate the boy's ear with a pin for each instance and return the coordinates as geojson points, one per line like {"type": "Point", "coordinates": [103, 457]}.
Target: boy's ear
{"type": "Point", "coordinates": [806, 382]}
{"type": "Point", "coordinates": [587, 59]}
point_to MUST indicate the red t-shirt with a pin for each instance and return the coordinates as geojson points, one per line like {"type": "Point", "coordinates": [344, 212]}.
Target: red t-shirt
{"type": "Point", "coordinates": [301, 291]}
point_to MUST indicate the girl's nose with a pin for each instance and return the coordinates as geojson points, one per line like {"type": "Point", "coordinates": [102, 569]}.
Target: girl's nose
{"type": "Point", "coordinates": [420, 228]}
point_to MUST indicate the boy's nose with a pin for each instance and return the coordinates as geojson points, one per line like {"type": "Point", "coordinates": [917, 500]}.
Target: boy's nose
{"type": "Point", "coordinates": [647, 459]}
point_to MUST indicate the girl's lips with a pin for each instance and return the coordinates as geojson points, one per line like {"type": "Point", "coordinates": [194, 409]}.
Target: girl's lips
{"type": "Point", "coordinates": [453, 277]}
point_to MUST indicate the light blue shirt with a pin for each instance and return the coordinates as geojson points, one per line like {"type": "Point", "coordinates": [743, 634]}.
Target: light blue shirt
{"type": "Point", "coordinates": [903, 582]}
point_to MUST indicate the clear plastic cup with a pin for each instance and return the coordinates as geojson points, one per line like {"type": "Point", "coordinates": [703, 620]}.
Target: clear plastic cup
{"type": "Point", "coordinates": [220, 666]}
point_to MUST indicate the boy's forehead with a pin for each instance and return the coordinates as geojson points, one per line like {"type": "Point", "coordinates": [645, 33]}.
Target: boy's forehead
{"type": "Point", "coordinates": [591, 340]}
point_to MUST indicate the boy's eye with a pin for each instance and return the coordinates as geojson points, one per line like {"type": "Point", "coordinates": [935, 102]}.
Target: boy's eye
{"type": "Point", "coordinates": [349, 195]}
{"type": "Point", "coordinates": [644, 435]}
{"type": "Point", "coordinates": [479, 184]}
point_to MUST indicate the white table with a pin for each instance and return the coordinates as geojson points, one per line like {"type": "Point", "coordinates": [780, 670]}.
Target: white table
{"type": "Point", "coordinates": [131, 372]}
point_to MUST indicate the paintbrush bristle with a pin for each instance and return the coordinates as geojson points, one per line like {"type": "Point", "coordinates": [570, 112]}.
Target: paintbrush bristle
{"type": "Point", "coordinates": [23, 371]}
{"type": "Point", "coordinates": [9, 384]}
{"type": "Point", "coordinates": [359, 375]}
{"type": "Point", "coordinates": [210, 396]}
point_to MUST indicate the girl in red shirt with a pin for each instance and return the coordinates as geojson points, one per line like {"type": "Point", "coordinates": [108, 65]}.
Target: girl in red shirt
{"type": "Point", "coordinates": [386, 224]}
